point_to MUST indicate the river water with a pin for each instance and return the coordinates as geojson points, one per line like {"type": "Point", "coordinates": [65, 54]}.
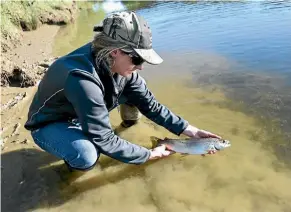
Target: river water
{"type": "Point", "coordinates": [226, 69]}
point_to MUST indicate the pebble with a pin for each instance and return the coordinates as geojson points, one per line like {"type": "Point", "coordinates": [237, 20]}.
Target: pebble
{"type": "Point", "coordinates": [2, 142]}
{"type": "Point", "coordinates": [25, 141]}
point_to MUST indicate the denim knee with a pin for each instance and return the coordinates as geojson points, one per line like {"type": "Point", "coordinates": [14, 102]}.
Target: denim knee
{"type": "Point", "coordinates": [85, 160]}
{"type": "Point", "coordinates": [67, 141]}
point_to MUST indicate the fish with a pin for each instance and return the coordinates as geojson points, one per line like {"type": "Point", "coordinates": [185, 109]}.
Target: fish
{"type": "Point", "coordinates": [192, 146]}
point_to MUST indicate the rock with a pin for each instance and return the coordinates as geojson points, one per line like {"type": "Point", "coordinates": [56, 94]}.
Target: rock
{"type": "Point", "coordinates": [44, 65]}
{"type": "Point", "coordinates": [20, 78]}
{"type": "Point", "coordinates": [16, 129]}
{"type": "Point", "coordinates": [5, 139]}
{"type": "Point", "coordinates": [25, 141]}
{"type": "Point", "coordinates": [4, 148]}
{"type": "Point", "coordinates": [2, 142]}
{"type": "Point", "coordinates": [40, 71]}
{"type": "Point", "coordinates": [12, 102]}
{"type": "Point", "coordinates": [5, 78]}
{"type": "Point", "coordinates": [6, 71]}
{"type": "Point", "coordinates": [47, 62]}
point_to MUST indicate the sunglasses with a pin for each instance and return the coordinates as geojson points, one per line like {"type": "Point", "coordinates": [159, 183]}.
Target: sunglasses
{"type": "Point", "coordinates": [135, 59]}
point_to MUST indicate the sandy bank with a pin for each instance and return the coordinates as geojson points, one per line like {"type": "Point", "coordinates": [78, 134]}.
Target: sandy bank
{"type": "Point", "coordinates": [23, 64]}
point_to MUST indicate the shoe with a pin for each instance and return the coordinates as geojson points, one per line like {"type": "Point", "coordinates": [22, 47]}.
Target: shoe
{"type": "Point", "coordinates": [128, 123]}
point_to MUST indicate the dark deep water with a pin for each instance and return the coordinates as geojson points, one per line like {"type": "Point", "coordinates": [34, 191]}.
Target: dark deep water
{"type": "Point", "coordinates": [255, 34]}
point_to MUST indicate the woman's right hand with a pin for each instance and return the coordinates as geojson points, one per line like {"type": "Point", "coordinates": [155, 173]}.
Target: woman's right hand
{"type": "Point", "coordinates": [159, 152]}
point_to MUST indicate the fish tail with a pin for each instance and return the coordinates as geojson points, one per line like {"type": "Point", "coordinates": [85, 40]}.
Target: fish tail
{"type": "Point", "coordinates": [154, 141]}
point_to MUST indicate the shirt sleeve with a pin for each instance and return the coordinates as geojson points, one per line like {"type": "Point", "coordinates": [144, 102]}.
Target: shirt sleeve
{"type": "Point", "coordinates": [87, 99]}
{"type": "Point", "coordinates": [138, 94]}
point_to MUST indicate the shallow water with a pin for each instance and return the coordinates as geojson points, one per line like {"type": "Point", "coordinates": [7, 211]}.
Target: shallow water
{"type": "Point", "coordinates": [228, 74]}
{"type": "Point", "coordinates": [245, 177]}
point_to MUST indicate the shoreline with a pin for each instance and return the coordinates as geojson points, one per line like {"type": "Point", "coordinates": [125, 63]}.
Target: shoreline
{"type": "Point", "coordinates": [35, 52]}
{"type": "Point", "coordinates": [27, 36]}
{"type": "Point", "coordinates": [22, 67]}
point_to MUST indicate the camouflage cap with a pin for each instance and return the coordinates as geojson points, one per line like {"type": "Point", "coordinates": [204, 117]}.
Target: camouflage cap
{"type": "Point", "coordinates": [132, 30]}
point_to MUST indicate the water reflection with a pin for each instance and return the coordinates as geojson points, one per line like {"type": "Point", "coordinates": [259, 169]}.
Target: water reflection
{"type": "Point", "coordinates": [74, 35]}
{"type": "Point", "coordinates": [109, 6]}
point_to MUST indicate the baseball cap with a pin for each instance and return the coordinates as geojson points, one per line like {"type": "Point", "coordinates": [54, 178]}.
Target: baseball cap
{"type": "Point", "coordinates": [132, 30]}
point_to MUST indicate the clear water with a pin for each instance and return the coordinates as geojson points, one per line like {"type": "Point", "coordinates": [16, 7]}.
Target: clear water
{"type": "Point", "coordinates": [226, 69]}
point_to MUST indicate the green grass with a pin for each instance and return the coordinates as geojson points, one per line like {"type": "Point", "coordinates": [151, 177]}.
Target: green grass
{"type": "Point", "coordinates": [27, 15]}
{"type": "Point", "coordinates": [18, 16]}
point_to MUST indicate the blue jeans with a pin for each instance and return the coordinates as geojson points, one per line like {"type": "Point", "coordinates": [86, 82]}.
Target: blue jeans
{"type": "Point", "coordinates": [66, 140]}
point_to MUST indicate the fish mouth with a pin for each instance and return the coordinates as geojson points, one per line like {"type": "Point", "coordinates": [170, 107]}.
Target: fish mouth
{"type": "Point", "coordinates": [223, 145]}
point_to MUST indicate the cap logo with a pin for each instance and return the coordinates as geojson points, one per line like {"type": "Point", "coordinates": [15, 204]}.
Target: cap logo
{"type": "Point", "coordinates": [116, 24]}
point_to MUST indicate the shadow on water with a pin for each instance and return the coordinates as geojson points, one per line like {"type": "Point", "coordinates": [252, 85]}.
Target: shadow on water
{"type": "Point", "coordinates": [34, 179]}
{"type": "Point", "coordinates": [24, 183]}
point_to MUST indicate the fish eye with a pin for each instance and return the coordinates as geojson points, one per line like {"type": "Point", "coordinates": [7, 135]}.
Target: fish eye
{"type": "Point", "coordinates": [223, 141]}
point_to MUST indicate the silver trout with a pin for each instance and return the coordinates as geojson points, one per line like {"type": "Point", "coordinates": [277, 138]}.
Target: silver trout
{"type": "Point", "coordinates": [193, 146]}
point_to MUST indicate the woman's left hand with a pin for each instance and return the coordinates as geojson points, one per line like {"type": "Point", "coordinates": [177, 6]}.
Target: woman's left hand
{"type": "Point", "coordinates": [194, 132]}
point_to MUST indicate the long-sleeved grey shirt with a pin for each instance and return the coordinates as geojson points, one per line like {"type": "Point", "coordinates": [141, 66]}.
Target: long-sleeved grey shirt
{"type": "Point", "coordinates": [74, 87]}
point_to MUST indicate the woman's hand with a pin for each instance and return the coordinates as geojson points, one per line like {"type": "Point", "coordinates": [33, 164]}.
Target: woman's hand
{"type": "Point", "coordinates": [159, 152]}
{"type": "Point", "coordinates": [194, 132]}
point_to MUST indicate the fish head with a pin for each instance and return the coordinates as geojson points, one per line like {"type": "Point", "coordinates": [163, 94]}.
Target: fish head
{"type": "Point", "coordinates": [222, 144]}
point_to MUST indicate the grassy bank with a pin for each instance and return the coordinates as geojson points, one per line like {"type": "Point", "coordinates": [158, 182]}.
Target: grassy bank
{"type": "Point", "coordinates": [19, 16]}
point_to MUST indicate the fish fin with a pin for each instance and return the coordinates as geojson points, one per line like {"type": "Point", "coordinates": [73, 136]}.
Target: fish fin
{"type": "Point", "coordinates": [154, 141]}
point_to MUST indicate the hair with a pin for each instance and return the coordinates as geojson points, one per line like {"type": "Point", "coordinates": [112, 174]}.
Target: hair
{"type": "Point", "coordinates": [103, 45]}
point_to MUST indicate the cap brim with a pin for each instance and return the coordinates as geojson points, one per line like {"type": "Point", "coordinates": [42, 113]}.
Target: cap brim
{"type": "Point", "coordinates": [149, 55]}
